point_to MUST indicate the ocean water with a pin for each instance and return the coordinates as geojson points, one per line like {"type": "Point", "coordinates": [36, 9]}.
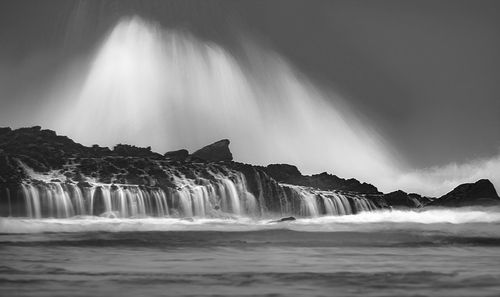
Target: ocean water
{"type": "Point", "coordinates": [386, 253]}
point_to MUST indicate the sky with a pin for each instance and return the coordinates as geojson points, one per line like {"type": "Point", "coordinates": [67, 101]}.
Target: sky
{"type": "Point", "coordinates": [416, 81]}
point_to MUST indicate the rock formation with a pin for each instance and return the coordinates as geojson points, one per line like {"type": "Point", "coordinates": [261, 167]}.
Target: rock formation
{"type": "Point", "coordinates": [179, 155]}
{"type": "Point", "coordinates": [400, 199]}
{"type": "Point", "coordinates": [290, 174]}
{"type": "Point", "coordinates": [217, 151]}
{"type": "Point", "coordinates": [480, 193]}
{"type": "Point", "coordinates": [44, 174]}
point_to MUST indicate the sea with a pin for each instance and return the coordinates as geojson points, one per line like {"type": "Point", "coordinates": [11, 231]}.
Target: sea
{"type": "Point", "coordinates": [435, 252]}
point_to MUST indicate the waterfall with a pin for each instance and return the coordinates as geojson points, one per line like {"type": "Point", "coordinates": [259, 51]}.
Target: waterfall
{"type": "Point", "coordinates": [309, 202]}
{"type": "Point", "coordinates": [197, 190]}
{"type": "Point", "coordinates": [32, 199]}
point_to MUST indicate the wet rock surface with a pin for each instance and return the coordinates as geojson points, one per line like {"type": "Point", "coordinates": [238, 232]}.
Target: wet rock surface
{"type": "Point", "coordinates": [26, 151]}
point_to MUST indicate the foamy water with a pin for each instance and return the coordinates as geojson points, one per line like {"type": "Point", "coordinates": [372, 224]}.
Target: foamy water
{"type": "Point", "coordinates": [362, 221]}
{"type": "Point", "coordinates": [438, 252]}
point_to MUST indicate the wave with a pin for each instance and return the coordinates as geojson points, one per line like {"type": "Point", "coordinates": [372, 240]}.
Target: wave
{"type": "Point", "coordinates": [432, 219]}
{"type": "Point", "coordinates": [430, 216]}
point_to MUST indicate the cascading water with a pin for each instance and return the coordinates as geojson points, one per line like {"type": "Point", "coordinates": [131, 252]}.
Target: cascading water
{"type": "Point", "coordinates": [314, 203]}
{"type": "Point", "coordinates": [216, 191]}
{"type": "Point", "coordinates": [148, 85]}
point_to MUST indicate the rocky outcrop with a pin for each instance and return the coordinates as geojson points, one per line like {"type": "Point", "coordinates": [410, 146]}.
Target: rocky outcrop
{"type": "Point", "coordinates": [285, 173]}
{"type": "Point", "coordinates": [400, 199]}
{"type": "Point", "coordinates": [134, 151]}
{"type": "Point", "coordinates": [290, 174]}
{"type": "Point", "coordinates": [480, 193]}
{"type": "Point", "coordinates": [40, 149]}
{"type": "Point", "coordinates": [274, 188]}
{"type": "Point", "coordinates": [179, 155]}
{"type": "Point", "coordinates": [215, 152]}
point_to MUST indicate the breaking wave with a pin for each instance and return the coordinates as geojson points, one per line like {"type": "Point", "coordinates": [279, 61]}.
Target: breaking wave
{"type": "Point", "coordinates": [433, 219]}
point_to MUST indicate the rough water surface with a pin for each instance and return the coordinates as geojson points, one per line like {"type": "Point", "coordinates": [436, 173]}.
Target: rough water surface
{"type": "Point", "coordinates": [398, 253]}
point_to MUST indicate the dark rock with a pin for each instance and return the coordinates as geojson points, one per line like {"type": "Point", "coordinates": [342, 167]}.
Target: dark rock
{"type": "Point", "coordinates": [9, 169]}
{"type": "Point", "coordinates": [89, 166]}
{"type": "Point", "coordinates": [333, 182]}
{"type": "Point", "coordinates": [285, 219]}
{"type": "Point", "coordinates": [127, 150]}
{"type": "Point", "coordinates": [480, 193]}
{"type": "Point", "coordinates": [4, 130]}
{"type": "Point", "coordinates": [401, 199]}
{"type": "Point", "coordinates": [217, 151]}
{"type": "Point", "coordinates": [422, 199]}
{"type": "Point", "coordinates": [179, 155]}
{"type": "Point", "coordinates": [284, 172]}
{"type": "Point", "coordinates": [98, 151]}
{"type": "Point", "coordinates": [291, 175]}
{"type": "Point", "coordinates": [83, 184]}
{"type": "Point", "coordinates": [378, 200]}
{"type": "Point", "coordinates": [44, 150]}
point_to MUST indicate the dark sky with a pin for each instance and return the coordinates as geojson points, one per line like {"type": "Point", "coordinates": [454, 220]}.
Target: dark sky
{"type": "Point", "coordinates": [426, 74]}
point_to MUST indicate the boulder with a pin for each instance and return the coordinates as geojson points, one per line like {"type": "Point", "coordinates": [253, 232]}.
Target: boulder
{"type": "Point", "coordinates": [217, 151]}
{"type": "Point", "coordinates": [480, 193]}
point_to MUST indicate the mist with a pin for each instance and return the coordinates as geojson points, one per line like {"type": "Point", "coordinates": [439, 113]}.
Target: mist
{"type": "Point", "coordinates": [166, 88]}
{"type": "Point", "coordinates": [438, 180]}
{"type": "Point", "coordinates": [148, 85]}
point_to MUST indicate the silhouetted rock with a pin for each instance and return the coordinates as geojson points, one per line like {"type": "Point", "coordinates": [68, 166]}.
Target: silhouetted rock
{"type": "Point", "coordinates": [284, 172]}
{"type": "Point", "coordinates": [402, 199]}
{"type": "Point", "coordinates": [217, 151]}
{"type": "Point", "coordinates": [40, 149]}
{"type": "Point", "coordinates": [289, 174]}
{"type": "Point", "coordinates": [480, 193]}
{"type": "Point", "coordinates": [134, 151]}
{"type": "Point", "coordinates": [44, 151]}
{"type": "Point", "coordinates": [332, 182]}
{"type": "Point", "coordinates": [179, 155]}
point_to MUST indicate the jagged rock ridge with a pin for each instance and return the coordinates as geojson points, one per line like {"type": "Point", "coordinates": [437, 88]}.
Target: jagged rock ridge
{"type": "Point", "coordinates": [290, 174]}
{"type": "Point", "coordinates": [138, 172]}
